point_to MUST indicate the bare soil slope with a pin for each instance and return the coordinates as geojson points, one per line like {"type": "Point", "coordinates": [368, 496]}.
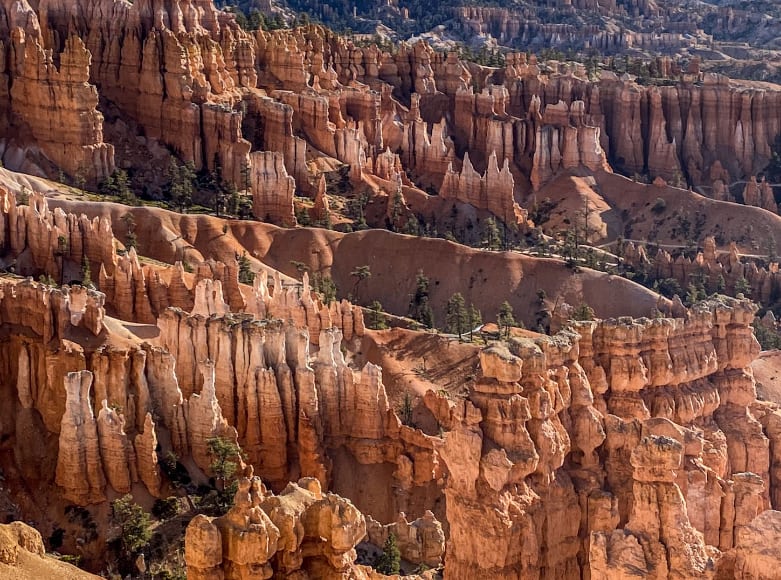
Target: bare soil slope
{"type": "Point", "coordinates": [484, 278]}
{"type": "Point", "coordinates": [767, 374]}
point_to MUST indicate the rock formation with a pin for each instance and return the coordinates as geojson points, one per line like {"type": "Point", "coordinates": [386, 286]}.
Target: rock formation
{"type": "Point", "coordinates": [493, 191]}
{"type": "Point", "coordinates": [301, 530]}
{"type": "Point", "coordinates": [421, 541]}
{"type": "Point", "coordinates": [272, 189]}
{"type": "Point", "coordinates": [53, 106]}
{"type": "Point", "coordinates": [625, 436]}
{"type": "Point", "coordinates": [79, 466]}
{"type": "Point", "coordinates": [614, 447]}
{"type": "Point", "coordinates": [22, 555]}
{"type": "Point", "coordinates": [726, 269]}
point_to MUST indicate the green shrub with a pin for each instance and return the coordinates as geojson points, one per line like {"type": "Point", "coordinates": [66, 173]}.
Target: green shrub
{"type": "Point", "coordinates": [134, 524]}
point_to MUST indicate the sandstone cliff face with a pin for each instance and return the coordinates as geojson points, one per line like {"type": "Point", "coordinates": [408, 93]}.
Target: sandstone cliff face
{"type": "Point", "coordinates": [616, 443]}
{"type": "Point", "coordinates": [265, 387]}
{"type": "Point", "coordinates": [675, 423]}
{"type": "Point", "coordinates": [493, 191]}
{"type": "Point", "coordinates": [79, 467]}
{"type": "Point", "coordinates": [421, 541]}
{"type": "Point", "coordinates": [272, 189]}
{"type": "Point", "coordinates": [223, 92]}
{"type": "Point", "coordinates": [37, 240]}
{"type": "Point", "coordinates": [53, 106]}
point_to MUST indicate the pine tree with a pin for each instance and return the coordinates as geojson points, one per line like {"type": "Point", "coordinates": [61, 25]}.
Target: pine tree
{"type": "Point", "coordinates": [180, 184]}
{"type": "Point", "coordinates": [360, 274]}
{"type": "Point", "coordinates": [246, 275]}
{"type": "Point", "coordinates": [226, 457]}
{"type": "Point", "coordinates": [134, 524]}
{"type": "Point", "coordinates": [419, 306]}
{"type": "Point", "coordinates": [456, 314]}
{"type": "Point", "coordinates": [742, 286]}
{"type": "Point", "coordinates": [122, 187]}
{"type": "Point", "coordinates": [389, 562]}
{"type": "Point", "coordinates": [324, 286]}
{"type": "Point", "coordinates": [505, 319]}
{"type": "Point", "coordinates": [492, 238]}
{"type": "Point", "coordinates": [376, 319]}
{"type": "Point", "coordinates": [583, 312]}
{"type": "Point", "coordinates": [473, 319]}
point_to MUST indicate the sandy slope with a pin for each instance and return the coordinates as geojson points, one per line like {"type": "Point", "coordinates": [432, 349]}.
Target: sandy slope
{"type": "Point", "coordinates": [767, 373]}
{"type": "Point", "coordinates": [484, 278]}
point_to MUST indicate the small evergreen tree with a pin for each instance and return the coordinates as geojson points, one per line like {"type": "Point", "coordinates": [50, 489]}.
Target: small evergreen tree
{"type": "Point", "coordinates": [246, 275]}
{"type": "Point", "coordinates": [742, 286]}
{"type": "Point", "coordinates": [180, 184]}
{"type": "Point", "coordinates": [505, 319]}
{"type": "Point", "coordinates": [405, 410]}
{"type": "Point", "coordinates": [134, 524]}
{"type": "Point", "coordinates": [360, 274]}
{"type": "Point", "coordinates": [473, 318]}
{"type": "Point", "coordinates": [325, 286]}
{"type": "Point", "coordinates": [492, 238]}
{"type": "Point", "coordinates": [583, 312]}
{"type": "Point", "coordinates": [226, 456]}
{"type": "Point", "coordinates": [376, 319]}
{"type": "Point", "coordinates": [124, 192]}
{"type": "Point", "coordinates": [456, 314]}
{"type": "Point", "coordinates": [389, 562]}
{"type": "Point", "coordinates": [419, 307]}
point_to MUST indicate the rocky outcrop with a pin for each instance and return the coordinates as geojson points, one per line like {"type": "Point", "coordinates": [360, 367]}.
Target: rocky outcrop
{"type": "Point", "coordinates": [658, 540]}
{"type": "Point", "coordinates": [421, 541]}
{"type": "Point", "coordinates": [299, 304]}
{"type": "Point", "coordinates": [51, 313]}
{"type": "Point", "coordinates": [116, 450]}
{"type": "Point", "coordinates": [673, 489]}
{"type": "Point", "coordinates": [36, 240]}
{"type": "Point", "coordinates": [492, 191]}
{"type": "Point", "coordinates": [22, 555]}
{"type": "Point", "coordinates": [145, 446]}
{"type": "Point", "coordinates": [205, 419]}
{"type": "Point", "coordinates": [618, 437]}
{"type": "Point", "coordinates": [718, 270]}
{"type": "Point", "coordinates": [53, 107]}
{"type": "Point", "coordinates": [759, 194]}
{"type": "Point", "coordinates": [756, 551]}
{"type": "Point", "coordinates": [271, 393]}
{"type": "Point", "coordinates": [79, 465]}
{"type": "Point", "coordinates": [300, 531]}
{"type": "Point", "coordinates": [94, 451]}
{"type": "Point", "coordinates": [272, 189]}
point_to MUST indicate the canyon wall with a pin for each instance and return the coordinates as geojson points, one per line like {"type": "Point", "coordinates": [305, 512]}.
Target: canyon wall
{"type": "Point", "coordinates": [192, 80]}
{"type": "Point", "coordinates": [567, 437]}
